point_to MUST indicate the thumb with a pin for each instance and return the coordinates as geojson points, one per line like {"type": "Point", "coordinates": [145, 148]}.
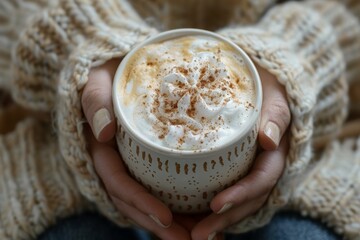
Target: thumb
{"type": "Point", "coordinates": [96, 101]}
{"type": "Point", "coordinates": [275, 112]}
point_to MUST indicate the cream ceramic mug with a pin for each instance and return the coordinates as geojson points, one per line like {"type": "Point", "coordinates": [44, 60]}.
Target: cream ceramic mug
{"type": "Point", "coordinates": [187, 103]}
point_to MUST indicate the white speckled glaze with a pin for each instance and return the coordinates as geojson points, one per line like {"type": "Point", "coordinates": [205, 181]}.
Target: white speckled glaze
{"type": "Point", "coordinates": [187, 180]}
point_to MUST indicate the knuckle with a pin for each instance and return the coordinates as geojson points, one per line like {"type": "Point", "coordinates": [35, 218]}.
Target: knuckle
{"type": "Point", "coordinates": [88, 99]}
{"type": "Point", "coordinates": [279, 109]}
{"type": "Point", "coordinates": [268, 181]}
{"type": "Point", "coordinates": [118, 203]}
{"type": "Point", "coordinates": [136, 195]}
{"type": "Point", "coordinates": [110, 182]}
{"type": "Point", "coordinates": [112, 193]}
{"type": "Point", "coordinates": [242, 188]}
{"type": "Point", "coordinates": [260, 202]}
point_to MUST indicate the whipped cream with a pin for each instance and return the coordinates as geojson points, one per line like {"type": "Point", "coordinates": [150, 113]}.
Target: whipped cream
{"type": "Point", "coordinates": [190, 93]}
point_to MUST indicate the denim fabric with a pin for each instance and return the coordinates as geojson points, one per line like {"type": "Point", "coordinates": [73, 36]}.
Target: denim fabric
{"type": "Point", "coordinates": [91, 226]}
{"type": "Point", "coordinates": [289, 226]}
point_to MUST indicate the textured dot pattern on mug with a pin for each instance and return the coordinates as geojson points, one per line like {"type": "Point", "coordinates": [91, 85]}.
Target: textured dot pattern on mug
{"type": "Point", "coordinates": [161, 176]}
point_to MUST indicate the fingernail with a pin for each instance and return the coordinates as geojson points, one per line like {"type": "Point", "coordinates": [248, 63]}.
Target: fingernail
{"type": "Point", "coordinates": [100, 120]}
{"type": "Point", "coordinates": [156, 219]}
{"type": "Point", "coordinates": [273, 132]}
{"type": "Point", "coordinates": [212, 236]}
{"type": "Point", "coordinates": [224, 208]}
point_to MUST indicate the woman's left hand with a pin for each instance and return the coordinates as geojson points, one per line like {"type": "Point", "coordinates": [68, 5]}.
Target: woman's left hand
{"type": "Point", "coordinates": [250, 193]}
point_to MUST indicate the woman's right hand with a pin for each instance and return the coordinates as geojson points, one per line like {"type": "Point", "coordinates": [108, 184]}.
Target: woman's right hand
{"type": "Point", "coordinates": [130, 198]}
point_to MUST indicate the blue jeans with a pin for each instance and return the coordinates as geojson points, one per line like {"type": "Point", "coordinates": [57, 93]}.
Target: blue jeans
{"type": "Point", "coordinates": [91, 226]}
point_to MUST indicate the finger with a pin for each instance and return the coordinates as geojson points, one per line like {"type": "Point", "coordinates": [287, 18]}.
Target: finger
{"type": "Point", "coordinates": [97, 102]}
{"type": "Point", "coordinates": [185, 221]}
{"type": "Point", "coordinates": [175, 231]}
{"type": "Point", "coordinates": [188, 221]}
{"type": "Point", "coordinates": [214, 224]}
{"type": "Point", "coordinates": [275, 112]}
{"type": "Point", "coordinates": [119, 184]}
{"type": "Point", "coordinates": [263, 176]}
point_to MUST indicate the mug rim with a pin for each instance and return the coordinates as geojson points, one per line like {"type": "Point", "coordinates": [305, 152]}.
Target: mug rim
{"type": "Point", "coordinates": [172, 34]}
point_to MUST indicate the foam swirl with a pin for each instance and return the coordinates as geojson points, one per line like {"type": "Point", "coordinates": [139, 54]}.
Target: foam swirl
{"type": "Point", "coordinates": [193, 103]}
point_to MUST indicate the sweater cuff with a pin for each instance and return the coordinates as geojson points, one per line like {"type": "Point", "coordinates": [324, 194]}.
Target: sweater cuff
{"type": "Point", "coordinates": [114, 38]}
{"type": "Point", "coordinates": [37, 188]}
{"type": "Point", "coordinates": [293, 43]}
{"type": "Point", "coordinates": [51, 66]}
{"type": "Point", "coordinates": [329, 191]}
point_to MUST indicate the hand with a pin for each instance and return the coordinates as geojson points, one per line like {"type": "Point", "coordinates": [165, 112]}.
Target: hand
{"type": "Point", "coordinates": [250, 193]}
{"type": "Point", "coordinates": [131, 199]}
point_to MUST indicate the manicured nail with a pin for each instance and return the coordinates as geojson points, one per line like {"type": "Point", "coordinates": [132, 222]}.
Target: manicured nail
{"type": "Point", "coordinates": [224, 208]}
{"type": "Point", "coordinates": [273, 132]}
{"type": "Point", "coordinates": [212, 236]}
{"type": "Point", "coordinates": [156, 219]}
{"type": "Point", "coordinates": [100, 120]}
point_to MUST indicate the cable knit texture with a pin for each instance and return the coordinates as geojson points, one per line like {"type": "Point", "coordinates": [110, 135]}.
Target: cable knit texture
{"type": "Point", "coordinates": [36, 186]}
{"type": "Point", "coordinates": [312, 48]}
{"type": "Point", "coordinates": [14, 14]}
{"type": "Point", "coordinates": [330, 189]}
{"type": "Point", "coordinates": [113, 37]}
{"type": "Point", "coordinates": [302, 51]}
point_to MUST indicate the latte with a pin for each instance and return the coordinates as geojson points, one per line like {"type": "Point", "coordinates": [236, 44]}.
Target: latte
{"type": "Point", "coordinates": [187, 103]}
{"type": "Point", "coordinates": [189, 93]}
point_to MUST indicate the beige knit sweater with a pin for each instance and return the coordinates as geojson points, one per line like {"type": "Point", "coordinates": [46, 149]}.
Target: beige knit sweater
{"type": "Point", "coordinates": [48, 47]}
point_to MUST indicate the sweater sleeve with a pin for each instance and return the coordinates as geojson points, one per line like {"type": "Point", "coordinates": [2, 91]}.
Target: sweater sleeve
{"type": "Point", "coordinates": [306, 52]}
{"type": "Point", "coordinates": [45, 47]}
{"type": "Point", "coordinates": [329, 191]}
{"type": "Point", "coordinates": [14, 17]}
{"type": "Point", "coordinates": [345, 19]}
{"type": "Point", "coordinates": [52, 61]}
{"type": "Point", "coordinates": [37, 189]}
